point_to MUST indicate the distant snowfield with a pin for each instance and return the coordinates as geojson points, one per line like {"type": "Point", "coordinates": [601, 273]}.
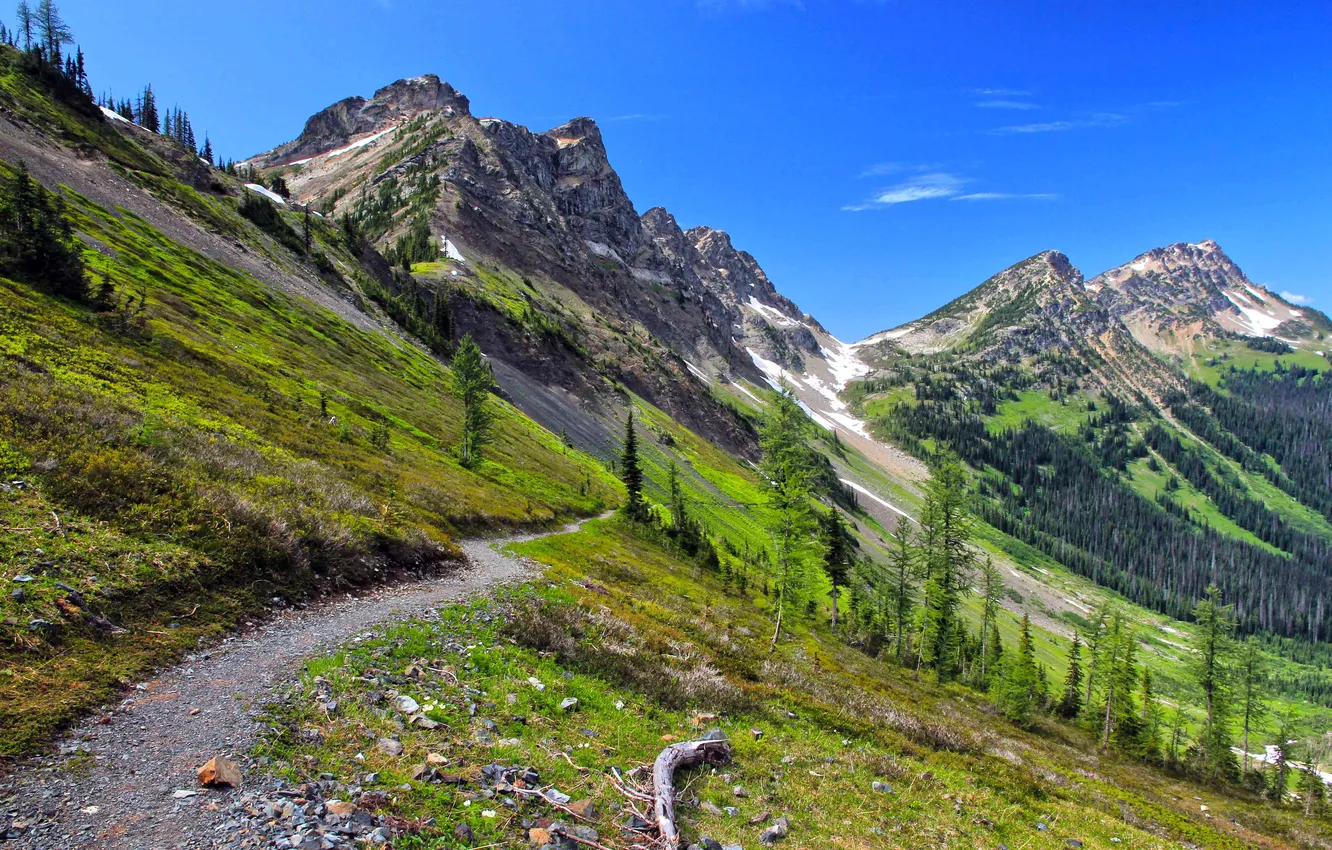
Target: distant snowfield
{"type": "Point", "coordinates": [113, 115]}
{"type": "Point", "coordinates": [451, 251]}
{"type": "Point", "coordinates": [359, 143]}
{"type": "Point", "coordinates": [843, 363]}
{"type": "Point", "coordinates": [895, 333]}
{"type": "Point", "coordinates": [1258, 318]}
{"type": "Point", "coordinates": [866, 492]}
{"type": "Point", "coordinates": [701, 375]}
{"type": "Point", "coordinates": [266, 192]}
{"type": "Point", "coordinates": [772, 314]}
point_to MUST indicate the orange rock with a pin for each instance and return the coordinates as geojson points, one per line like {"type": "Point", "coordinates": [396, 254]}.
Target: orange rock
{"type": "Point", "coordinates": [539, 836]}
{"type": "Point", "coordinates": [339, 807]}
{"type": "Point", "coordinates": [220, 770]}
{"type": "Point", "coordinates": [584, 809]}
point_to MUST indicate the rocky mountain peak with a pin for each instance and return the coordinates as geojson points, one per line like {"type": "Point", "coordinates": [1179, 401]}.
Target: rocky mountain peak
{"type": "Point", "coordinates": [336, 125]}
{"type": "Point", "coordinates": [419, 94]}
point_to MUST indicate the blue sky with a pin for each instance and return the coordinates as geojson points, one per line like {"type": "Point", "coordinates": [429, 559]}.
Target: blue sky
{"type": "Point", "coordinates": [877, 157]}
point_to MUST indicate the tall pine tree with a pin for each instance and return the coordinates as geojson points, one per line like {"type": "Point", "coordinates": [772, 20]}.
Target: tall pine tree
{"type": "Point", "coordinates": [786, 466]}
{"type": "Point", "coordinates": [472, 380]}
{"type": "Point", "coordinates": [837, 555]}
{"type": "Point", "coordinates": [631, 473]}
{"type": "Point", "coordinates": [948, 558]}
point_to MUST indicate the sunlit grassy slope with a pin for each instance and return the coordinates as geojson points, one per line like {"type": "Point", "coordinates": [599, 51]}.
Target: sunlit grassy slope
{"type": "Point", "coordinates": [243, 435]}
{"type": "Point", "coordinates": [619, 621]}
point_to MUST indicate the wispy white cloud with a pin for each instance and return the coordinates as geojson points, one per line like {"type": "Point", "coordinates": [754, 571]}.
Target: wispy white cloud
{"type": "Point", "coordinates": [935, 185]}
{"type": "Point", "coordinates": [1096, 119]}
{"type": "Point", "coordinates": [1295, 297]}
{"type": "Point", "coordinates": [1006, 196]}
{"type": "Point", "coordinates": [1002, 92]}
{"type": "Point", "coordinates": [885, 169]}
{"type": "Point", "coordinates": [921, 187]}
{"type": "Point", "coordinates": [1006, 104]}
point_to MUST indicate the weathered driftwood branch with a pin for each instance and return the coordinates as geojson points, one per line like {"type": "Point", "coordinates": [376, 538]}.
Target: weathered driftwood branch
{"type": "Point", "coordinates": [673, 758]}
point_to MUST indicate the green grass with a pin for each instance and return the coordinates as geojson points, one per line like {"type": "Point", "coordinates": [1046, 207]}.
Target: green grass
{"type": "Point", "coordinates": [1037, 406]}
{"type": "Point", "coordinates": [619, 621]}
{"type": "Point", "coordinates": [1202, 509]}
{"type": "Point", "coordinates": [1210, 365]}
{"type": "Point", "coordinates": [200, 447]}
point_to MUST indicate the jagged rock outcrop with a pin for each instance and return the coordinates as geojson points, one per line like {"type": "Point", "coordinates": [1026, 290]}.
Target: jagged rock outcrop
{"type": "Point", "coordinates": [1169, 296]}
{"type": "Point", "coordinates": [354, 116]}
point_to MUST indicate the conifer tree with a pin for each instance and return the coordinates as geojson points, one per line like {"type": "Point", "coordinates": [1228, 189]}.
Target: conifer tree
{"type": "Point", "coordinates": [53, 30]}
{"type": "Point", "coordinates": [1211, 654]}
{"type": "Point", "coordinates": [947, 529]}
{"type": "Point", "coordinates": [37, 244]}
{"type": "Point", "coordinates": [1279, 777]}
{"type": "Point", "coordinates": [25, 23]}
{"type": "Point", "coordinates": [992, 593]}
{"type": "Point", "coordinates": [1176, 734]}
{"type": "Point", "coordinates": [1312, 788]}
{"type": "Point", "coordinates": [1251, 705]}
{"type": "Point", "coordinates": [146, 115]}
{"type": "Point", "coordinates": [1070, 705]}
{"type": "Point", "coordinates": [786, 466]}
{"type": "Point", "coordinates": [81, 74]}
{"type": "Point", "coordinates": [207, 152]}
{"type": "Point", "coordinates": [632, 474]}
{"type": "Point", "coordinates": [1018, 688]}
{"type": "Point", "coordinates": [1094, 654]}
{"type": "Point", "coordinates": [472, 380]}
{"type": "Point", "coordinates": [679, 516]}
{"type": "Point", "coordinates": [901, 585]}
{"type": "Point", "coordinates": [1116, 669]}
{"type": "Point", "coordinates": [1151, 719]}
{"type": "Point", "coordinates": [837, 555]}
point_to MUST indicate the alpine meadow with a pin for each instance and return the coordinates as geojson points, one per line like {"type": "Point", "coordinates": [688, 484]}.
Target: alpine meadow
{"type": "Point", "coordinates": [402, 485]}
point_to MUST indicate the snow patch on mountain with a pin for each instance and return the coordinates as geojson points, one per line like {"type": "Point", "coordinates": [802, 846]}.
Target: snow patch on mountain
{"type": "Point", "coordinates": [266, 192]}
{"type": "Point", "coordinates": [772, 314]}
{"type": "Point", "coordinates": [884, 336]}
{"type": "Point", "coordinates": [843, 362]}
{"type": "Point", "coordinates": [773, 373]}
{"type": "Point", "coordinates": [1259, 319]}
{"type": "Point", "coordinates": [359, 143]}
{"type": "Point", "coordinates": [451, 251]}
{"type": "Point", "coordinates": [866, 492]}
{"type": "Point", "coordinates": [113, 115]}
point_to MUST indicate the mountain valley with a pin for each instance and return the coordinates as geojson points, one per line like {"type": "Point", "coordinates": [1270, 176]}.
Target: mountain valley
{"type": "Point", "coordinates": [252, 409]}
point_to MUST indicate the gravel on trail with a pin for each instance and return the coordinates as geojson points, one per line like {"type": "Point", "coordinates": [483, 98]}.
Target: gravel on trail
{"type": "Point", "coordinates": [117, 780]}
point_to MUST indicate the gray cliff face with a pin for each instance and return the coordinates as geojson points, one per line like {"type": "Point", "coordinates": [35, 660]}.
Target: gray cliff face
{"type": "Point", "coordinates": [355, 116]}
{"type": "Point", "coordinates": [1179, 283]}
{"type": "Point", "coordinates": [588, 192]}
{"type": "Point", "coordinates": [549, 205]}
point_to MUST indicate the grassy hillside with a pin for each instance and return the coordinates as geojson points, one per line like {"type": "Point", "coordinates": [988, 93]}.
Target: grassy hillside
{"type": "Point", "coordinates": [656, 650]}
{"type": "Point", "coordinates": [243, 445]}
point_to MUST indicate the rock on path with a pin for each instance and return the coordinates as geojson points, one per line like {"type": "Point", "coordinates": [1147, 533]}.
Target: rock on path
{"type": "Point", "coordinates": [113, 784]}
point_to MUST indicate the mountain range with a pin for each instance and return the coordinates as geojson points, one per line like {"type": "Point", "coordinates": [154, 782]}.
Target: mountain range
{"type": "Point", "coordinates": [255, 401]}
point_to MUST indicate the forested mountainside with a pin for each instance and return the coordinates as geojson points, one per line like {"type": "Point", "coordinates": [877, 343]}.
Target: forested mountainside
{"type": "Point", "coordinates": [1146, 472]}
{"type": "Point", "coordinates": [1047, 567]}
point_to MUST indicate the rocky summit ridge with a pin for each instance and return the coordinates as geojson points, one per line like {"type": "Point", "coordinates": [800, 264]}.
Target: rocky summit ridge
{"type": "Point", "coordinates": [546, 204]}
{"type": "Point", "coordinates": [549, 205]}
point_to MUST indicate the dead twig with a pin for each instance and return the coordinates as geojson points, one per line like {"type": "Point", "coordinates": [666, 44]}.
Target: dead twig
{"type": "Point", "coordinates": [556, 805]}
